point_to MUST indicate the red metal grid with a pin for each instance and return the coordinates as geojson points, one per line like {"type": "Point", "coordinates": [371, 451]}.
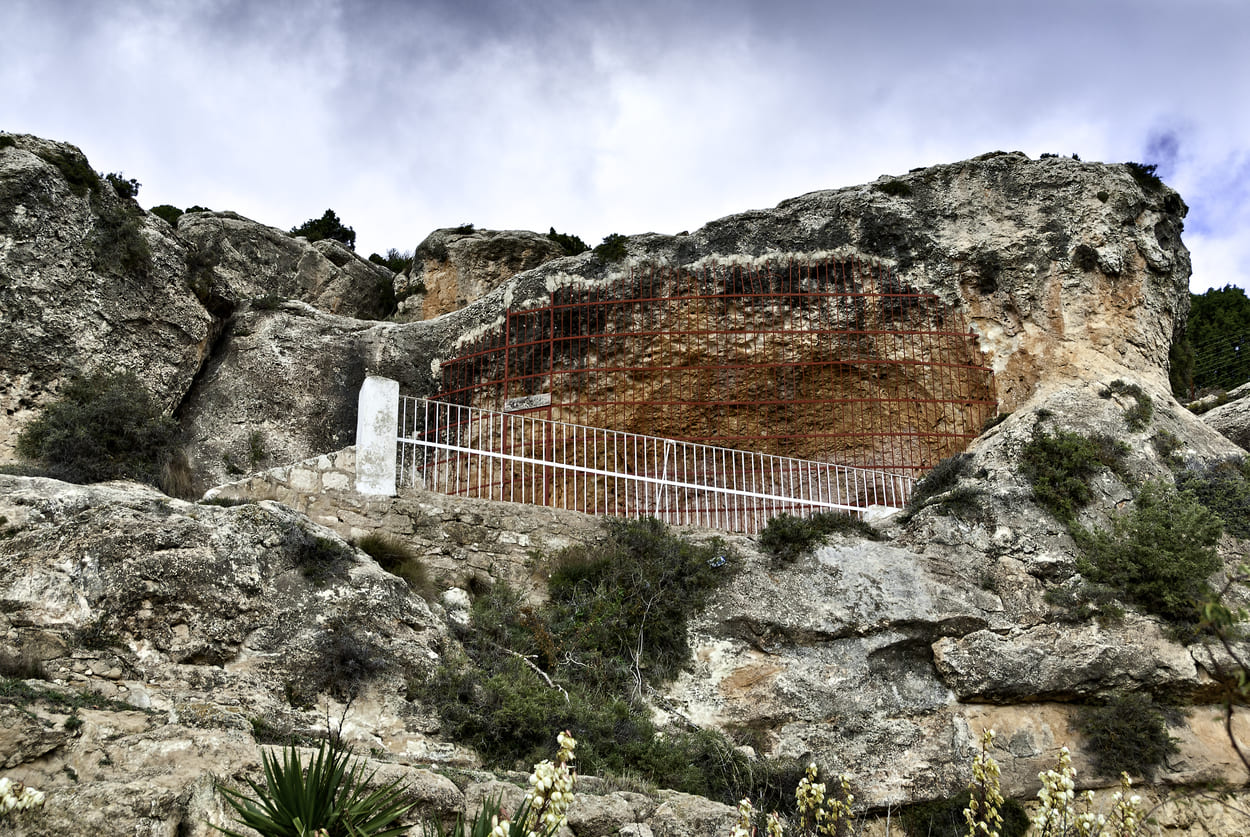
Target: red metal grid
{"type": "Point", "coordinates": [832, 359]}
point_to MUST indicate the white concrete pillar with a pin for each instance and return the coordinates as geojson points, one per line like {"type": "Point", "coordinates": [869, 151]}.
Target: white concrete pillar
{"type": "Point", "coordinates": [377, 426]}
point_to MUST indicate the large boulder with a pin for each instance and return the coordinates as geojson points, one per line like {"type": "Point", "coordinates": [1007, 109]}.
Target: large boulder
{"type": "Point", "coordinates": [168, 595]}
{"type": "Point", "coordinates": [1062, 662]}
{"type": "Point", "coordinates": [283, 386]}
{"type": "Point", "coordinates": [455, 266]}
{"type": "Point", "coordinates": [1231, 418]}
{"type": "Point", "coordinates": [88, 282]}
{"type": "Point", "coordinates": [240, 259]}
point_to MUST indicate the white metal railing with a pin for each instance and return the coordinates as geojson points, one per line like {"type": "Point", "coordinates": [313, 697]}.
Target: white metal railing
{"type": "Point", "coordinates": [470, 452]}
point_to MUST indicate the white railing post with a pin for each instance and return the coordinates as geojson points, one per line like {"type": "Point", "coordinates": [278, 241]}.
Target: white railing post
{"type": "Point", "coordinates": [377, 426]}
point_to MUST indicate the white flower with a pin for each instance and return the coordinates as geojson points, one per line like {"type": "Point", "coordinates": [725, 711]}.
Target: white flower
{"type": "Point", "coordinates": [15, 796]}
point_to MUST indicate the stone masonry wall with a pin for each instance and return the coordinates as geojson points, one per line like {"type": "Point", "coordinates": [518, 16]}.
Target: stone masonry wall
{"type": "Point", "coordinates": [460, 538]}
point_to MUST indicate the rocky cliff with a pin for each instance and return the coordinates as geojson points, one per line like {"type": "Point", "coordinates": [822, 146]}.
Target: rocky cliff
{"type": "Point", "coordinates": [151, 643]}
{"type": "Point", "coordinates": [1066, 270]}
{"type": "Point", "coordinates": [90, 282]}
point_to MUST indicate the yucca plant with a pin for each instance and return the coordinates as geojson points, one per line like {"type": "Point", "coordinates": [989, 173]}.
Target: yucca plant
{"type": "Point", "coordinates": [328, 799]}
{"type": "Point", "coordinates": [484, 824]}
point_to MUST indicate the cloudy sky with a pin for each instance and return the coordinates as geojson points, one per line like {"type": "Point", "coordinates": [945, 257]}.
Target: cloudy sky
{"type": "Point", "coordinates": [624, 116]}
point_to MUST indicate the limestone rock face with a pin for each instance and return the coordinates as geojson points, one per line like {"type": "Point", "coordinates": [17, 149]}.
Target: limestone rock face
{"type": "Point", "coordinates": [882, 659]}
{"type": "Point", "coordinates": [1232, 419]}
{"type": "Point", "coordinates": [76, 292]}
{"type": "Point", "coordinates": [1066, 270]}
{"type": "Point", "coordinates": [1059, 662]}
{"type": "Point", "coordinates": [282, 386]}
{"type": "Point", "coordinates": [89, 282]}
{"type": "Point", "coordinates": [242, 259]}
{"type": "Point", "coordinates": [455, 266]}
{"type": "Point", "coordinates": [197, 597]}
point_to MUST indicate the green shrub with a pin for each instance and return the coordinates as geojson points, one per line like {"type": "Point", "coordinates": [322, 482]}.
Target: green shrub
{"type": "Point", "coordinates": [1181, 363]}
{"type": "Point", "coordinates": [893, 188]}
{"type": "Point", "coordinates": [945, 818]}
{"type": "Point", "coordinates": [97, 635]}
{"type": "Point", "coordinates": [75, 169]}
{"type": "Point", "coordinates": [256, 452]}
{"type": "Point", "coordinates": [1165, 444]}
{"type": "Point", "coordinates": [330, 793]}
{"type": "Point", "coordinates": [787, 537]}
{"type": "Point", "coordinates": [506, 713]}
{"type": "Point", "coordinates": [995, 420]}
{"type": "Point", "coordinates": [1085, 601]}
{"type": "Point", "coordinates": [21, 666]}
{"type": "Point", "coordinates": [613, 248]}
{"type": "Point", "coordinates": [572, 244]}
{"type": "Point", "coordinates": [125, 187]}
{"type": "Point", "coordinates": [964, 502]}
{"type": "Point", "coordinates": [1061, 466]}
{"type": "Point", "coordinates": [631, 595]}
{"type": "Point", "coordinates": [343, 662]}
{"type": "Point", "coordinates": [318, 558]}
{"type": "Point", "coordinates": [62, 700]}
{"type": "Point", "coordinates": [169, 214]}
{"type": "Point", "coordinates": [1159, 555]}
{"type": "Point", "coordinates": [1129, 733]}
{"type": "Point", "coordinates": [615, 621]}
{"type": "Point", "coordinates": [944, 476]}
{"type": "Point", "coordinates": [1144, 174]}
{"type": "Point", "coordinates": [327, 226]}
{"type": "Point", "coordinates": [7, 141]}
{"type": "Point", "coordinates": [1138, 416]}
{"type": "Point", "coordinates": [385, 302]}
{"type": "Point", "coordinates": [102, 427]}
{"type": "Point", "coordinates": [201, 260]}
{"type": "Point", "coordinates": [394, 261]}
{"type": "Point", "coordinates": [117, 243]}
{"type": "Point", "coordinates": [397, 558]}
{"type": "Point", "coordinates": [1224, 488]}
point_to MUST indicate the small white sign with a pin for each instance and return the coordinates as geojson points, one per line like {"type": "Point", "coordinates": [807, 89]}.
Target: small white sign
{"type": "Point", "coordinates": [527, 402]}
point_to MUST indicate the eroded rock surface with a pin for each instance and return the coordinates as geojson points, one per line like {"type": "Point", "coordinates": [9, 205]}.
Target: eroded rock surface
{"type": "Point", "coordinates": [1066, 270]}
{"type": "Point", "coordinates": [283, 387]}
{"type": "Point", "coordinates": [1232, 418]}
{"type": "Point", "coordinates": [884, 658]}
{"type": "Point", "coordinates": [456, 266]}
{"type": "Point", "coordinates": [68, 302]}
{"type": "Point", "coordinates": [242, 260]}
{"type": "Point", "coordinates": [209, 599]}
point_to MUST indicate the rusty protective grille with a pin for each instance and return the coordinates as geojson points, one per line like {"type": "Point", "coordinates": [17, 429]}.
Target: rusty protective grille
{"type": "Point", "coordinates": [832, 359]}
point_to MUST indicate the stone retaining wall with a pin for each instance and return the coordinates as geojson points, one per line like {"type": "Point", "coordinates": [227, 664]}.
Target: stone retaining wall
{"type": "Point", "coordinates": [459, 537]}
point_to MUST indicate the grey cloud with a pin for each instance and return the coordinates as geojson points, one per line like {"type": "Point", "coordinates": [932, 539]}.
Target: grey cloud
{"type": "Point", "coordinates": [1163, 150]}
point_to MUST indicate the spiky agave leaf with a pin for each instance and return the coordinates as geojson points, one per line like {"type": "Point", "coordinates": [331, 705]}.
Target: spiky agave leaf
{"type": "Point", "coordinates": [331, 794]}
